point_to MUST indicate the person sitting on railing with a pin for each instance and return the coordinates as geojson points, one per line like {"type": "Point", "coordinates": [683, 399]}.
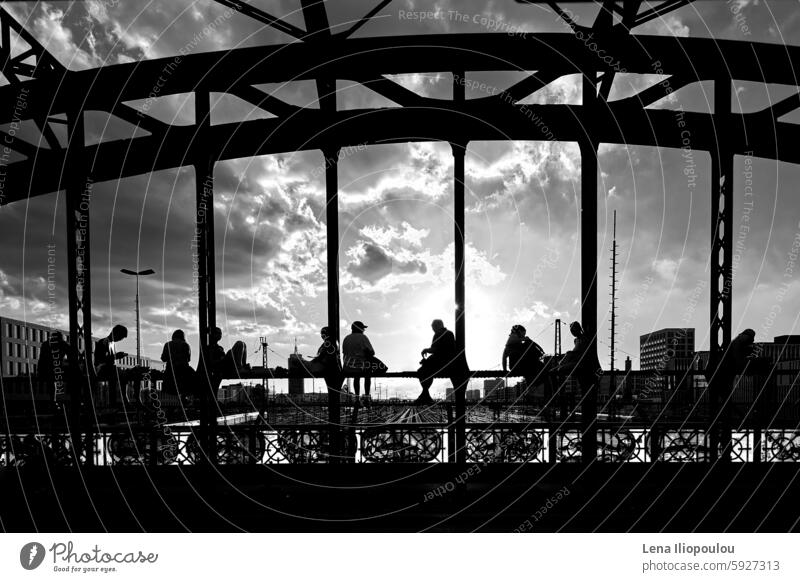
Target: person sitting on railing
{"type": "Point", "coordinates": [326, 363]}
{"type": "Point", "coordinates": [442, 358]}
{"type": "Point", "coordinates": [59, 364]}
{"type": "Point", "coordinates": [235, 361]}
{"type": "Point", "coordinates": [209, 367]}
{"type": "Point", "coordinates": [577, 360]}
{"type": "Point", "coordinates": [359, 359]}
{"type": "Point", "coordinates": [522, 356]}
{"type": "Point", "coordinates": [105, 361]}
{"type": "Point", "coordinates": [579, 364]}
{"type": "Point", "coordinates": [178, 375]}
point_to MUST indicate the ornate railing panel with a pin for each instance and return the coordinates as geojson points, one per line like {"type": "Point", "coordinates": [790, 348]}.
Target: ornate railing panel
{"type": "Point", "coordinates": [568, 446]}
{"type": "Point", "coordinates": [684, 445]}
{"type": "Point", "coordinates": [622, 444]}
{"type": "Point", "coordinates": [401, 444]}
{"type": "Point", "coordinates": [52, 449]}
{"type": "Point", "coordinates": [507, 445]}
{"type": "Point", "coordinates": [781, 445]}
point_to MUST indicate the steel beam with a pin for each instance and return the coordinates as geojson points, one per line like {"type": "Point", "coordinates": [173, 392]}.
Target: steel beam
{"type": "Point", "coordinates": [721, 301]}
{"type": "Point", "coordinates": [78, 195]}
{"type": "Point", "coordinates": [206, 297]}
{"type": "Point", "coordinates": [316, 129]}
{"type": "Point", "coordinates": [331, 161]}
{"type": "Point", "coordinates": [563, 53]}
{"type": "Point", "coordinates": [587, 378]}
{"type": "Point", "coordinates": [460, 275]}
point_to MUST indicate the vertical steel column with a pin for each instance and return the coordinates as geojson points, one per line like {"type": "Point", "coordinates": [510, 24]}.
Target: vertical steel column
{"type": "Point", "coordinates": [459, 392]}
{"type": "Point", "coordinates": [588, 381]}
{"type": "Point", "coordinates": [331, 161]}
{"type": "Point", "coordinates": [79, 191]}
{"type": "Point", "coordinates": [319, 31]}
{"type": "Point", "coordinates": [206, 300]}
{"type": "Point", "coordinates": [721, 258]}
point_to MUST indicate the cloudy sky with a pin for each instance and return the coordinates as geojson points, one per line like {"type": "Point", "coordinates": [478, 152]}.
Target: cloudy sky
{"type": "Point", "coordinates": [396, 260]}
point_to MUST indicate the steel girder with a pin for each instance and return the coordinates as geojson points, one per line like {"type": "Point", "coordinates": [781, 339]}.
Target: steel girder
{"type": "Point", "coordinates": [495, 116]}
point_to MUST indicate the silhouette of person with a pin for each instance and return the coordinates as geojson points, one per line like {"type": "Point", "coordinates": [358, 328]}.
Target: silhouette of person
{"type": "Point", "coordinates": [522, 356]}
{"type": "Point", "coordinates": [235, 361]}
{"type": "Point", "coordinates": [722, 381]}
{"type": "Point", "coordinates": [178, 375]}
{"type": "Point", "coordinates": [58, 363]}
{"type": "Point", "coordinates": [209, 366]}
{"type": "Point", "coordinates": [576, 360]}
{"type": "Point", "coordinates": [442, 358]}
{"type": "Point", "coordinates": [358, 355]}
{"type": "Point", "coordinates": [105, 360]}
{"type": "Point", "coordinates": [577, 363]}
{"type": "Point", "coordinates": [327, 363]}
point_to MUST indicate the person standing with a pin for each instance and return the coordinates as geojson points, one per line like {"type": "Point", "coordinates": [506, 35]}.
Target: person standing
{"type": "Point", "coordinates": [358, 353]}
{"type": "Point", "coordinates": [581, 366]}
{"type": "Point", "coordinates": [442, 358]}
{"type": "Point", "coordinates": [105, 360]}
{"type": "Point", "coordinates": [721, 384]}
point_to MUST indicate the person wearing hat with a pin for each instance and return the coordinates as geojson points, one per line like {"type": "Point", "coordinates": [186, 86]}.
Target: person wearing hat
{"type": "Point", "coordinates": [358, 354]}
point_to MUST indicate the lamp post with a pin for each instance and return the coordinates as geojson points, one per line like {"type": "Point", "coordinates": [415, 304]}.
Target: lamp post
{"type": "Point", "coordinates": [137, 274]}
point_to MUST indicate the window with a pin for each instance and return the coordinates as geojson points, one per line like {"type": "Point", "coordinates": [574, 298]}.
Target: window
{"type": "Point", "coordinates": [19, 350]}
{"type": "Point", "coordinates": [8, 330]}
{"type": "Point", "coordinates": [34, 355]}
{"type": "Point", "coordinates": [9, 349]}
{"type": "Point", "coordinates": [16, 331]}
{"type": "Point", "coordinates": [10, 368]}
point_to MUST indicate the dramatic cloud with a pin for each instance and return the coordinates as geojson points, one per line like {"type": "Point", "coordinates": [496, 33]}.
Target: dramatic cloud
{"type": "Point", "coordinates": [396, 259]}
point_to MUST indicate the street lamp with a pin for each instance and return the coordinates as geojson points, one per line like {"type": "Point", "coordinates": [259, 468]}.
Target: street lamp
{"type": "Point", "coordinates": [137, 274]}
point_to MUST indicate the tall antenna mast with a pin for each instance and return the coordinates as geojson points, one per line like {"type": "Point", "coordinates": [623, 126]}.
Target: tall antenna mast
{"type": "Point", "coordinates": [557, 342]}
{"type": "Point", "coordinates": [613, 291]}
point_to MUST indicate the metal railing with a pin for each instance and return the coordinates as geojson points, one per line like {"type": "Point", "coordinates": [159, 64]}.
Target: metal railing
{"type": "Point", "coordinates": [407, 443]}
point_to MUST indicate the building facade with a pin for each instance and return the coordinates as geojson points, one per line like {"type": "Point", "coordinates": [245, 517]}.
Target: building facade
{"type": "Point", "coordinates": [21, 343]}
{"type": "Point", "coordinates": [296, 385]}
{"type": "Point", "coordinates": [670, 348]}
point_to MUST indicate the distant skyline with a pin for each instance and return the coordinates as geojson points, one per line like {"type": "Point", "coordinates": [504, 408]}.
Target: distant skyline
{"type": "Point", "coordinates": [396, 259]}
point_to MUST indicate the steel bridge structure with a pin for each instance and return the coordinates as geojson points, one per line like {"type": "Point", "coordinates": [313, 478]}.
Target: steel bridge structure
{"type": "Point", "coordinates": [41, 90]}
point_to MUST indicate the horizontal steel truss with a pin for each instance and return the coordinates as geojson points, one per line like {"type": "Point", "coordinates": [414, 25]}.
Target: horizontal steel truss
{"type": "Point", "coordinates": [499, 116]}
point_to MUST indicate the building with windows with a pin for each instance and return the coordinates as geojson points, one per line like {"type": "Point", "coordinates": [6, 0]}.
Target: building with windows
{"type": "Point", "coordinates": [494, 389]}
{"type": "Point", "coordinates": [20, 345]}
{"type": "Point", "coordinates": [296, 385]}
{"type": "Point", "coordinates": [670, 348]}
{"type": "Point", "coordinates": [21, 341]}
{"type": "Point", "coordinates": [473, 395]}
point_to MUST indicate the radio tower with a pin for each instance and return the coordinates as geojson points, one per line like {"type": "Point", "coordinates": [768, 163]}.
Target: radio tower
{"type": "Point", "coordinates": [612, 376]}
{"type": "Point", "coordinates": [557, 342]}
{"type": "Point", "coordinates": [613, 290]}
